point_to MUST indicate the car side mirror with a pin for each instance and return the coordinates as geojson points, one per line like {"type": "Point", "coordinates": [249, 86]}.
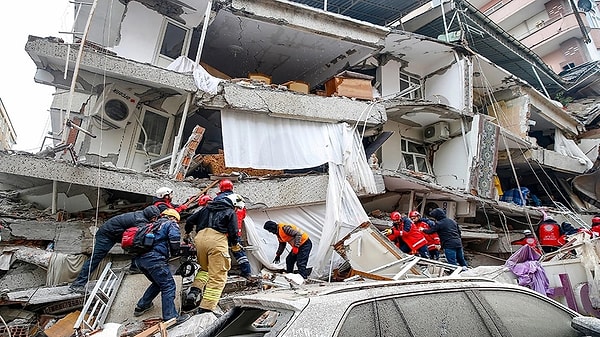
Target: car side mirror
{"type": "Point", "coordinates": [588, 326]}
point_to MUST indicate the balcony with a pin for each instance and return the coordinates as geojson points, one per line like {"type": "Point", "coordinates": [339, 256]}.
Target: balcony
{"type": "Point", "coordinates": [513, 12]}
{"type": "Point", "coordinates": [549, 37]}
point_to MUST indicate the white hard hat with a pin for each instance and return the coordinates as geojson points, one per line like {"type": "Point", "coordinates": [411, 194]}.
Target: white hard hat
{"type": "Point", "coordinates": [527, 232]}
{"type": "Point", "coordinates": [161, 192]}
{"type": "Point", "coordinates": [237, 200]}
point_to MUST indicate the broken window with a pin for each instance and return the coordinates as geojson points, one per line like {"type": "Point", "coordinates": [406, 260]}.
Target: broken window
{"type": "Point", "coordinates": [410, 86]}
{"type": "Point", "coordinates": [414, 156]}
{"type": "Point", "coordinates": [152, 135]}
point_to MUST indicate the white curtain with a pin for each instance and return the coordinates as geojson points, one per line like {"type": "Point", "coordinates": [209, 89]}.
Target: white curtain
{"type": "Point", "coordinates": [261, 141]}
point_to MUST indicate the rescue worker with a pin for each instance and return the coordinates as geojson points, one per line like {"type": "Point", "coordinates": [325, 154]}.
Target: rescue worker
{"type": "Point", "coordinates": [450, 237]}
{"type": "Point", "coordinates": [163, 200]}
{"type": "Point", "coordinates": [528, 240]}
{"type": "Point", "coordinates": [154, 265]}
{"type": "Point", "coordinates": [300, 242]}
{"type": "Point", "coordinates": [110, 233]}
{"type": "Point", "coordinates": [433, 239]}
{"type": "Point", "coordinates": [216, 228]}
{"type": "Point", "coordinates": [225, 189]}
{"type": "Point", "coordinates": [549, 234]}
{"type": "Point", "coordinates": [595, 226]}
{"type": "Point", "coordinates": [413, 240]}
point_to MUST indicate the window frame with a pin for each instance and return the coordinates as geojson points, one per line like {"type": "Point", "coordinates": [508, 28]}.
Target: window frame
{"type": "Point", "coordinates": [405, 84]}
{"type": "Point", "coordinates": [166, 137]}
{"type": "Point", "coordinates": [414, 155]}
{"type": "Point", "coordinates": [164, 60]}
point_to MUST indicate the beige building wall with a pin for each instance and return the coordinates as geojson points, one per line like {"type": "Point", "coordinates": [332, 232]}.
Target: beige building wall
{"type": "Point", "coordinates": [8, 137]}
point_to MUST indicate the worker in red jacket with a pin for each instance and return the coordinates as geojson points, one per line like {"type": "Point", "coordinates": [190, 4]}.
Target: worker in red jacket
{"type": "Point", "coordinates": [163, 200]}
{"type": "Point", "coordinates": [550, 235]}
{"type": "Point", "coordinates": [528, 240]}
{"type": "Point", "coordinates": [412, 239]}
{"type": "Point", "coordinates": [433, 239]}
{"type": "Point", "coordinates": [595, 226]}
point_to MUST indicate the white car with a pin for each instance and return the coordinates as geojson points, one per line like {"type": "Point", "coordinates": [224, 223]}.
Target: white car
{"type": "Point", "coordinates": [428, 308]}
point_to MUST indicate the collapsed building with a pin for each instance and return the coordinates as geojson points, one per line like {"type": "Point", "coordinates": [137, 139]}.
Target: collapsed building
{"type": "Point", "coordinates": [322, 119]}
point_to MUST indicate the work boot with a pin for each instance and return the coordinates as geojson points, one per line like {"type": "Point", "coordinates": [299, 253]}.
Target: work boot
{"type": "Point", "coordinates": [191, 299]}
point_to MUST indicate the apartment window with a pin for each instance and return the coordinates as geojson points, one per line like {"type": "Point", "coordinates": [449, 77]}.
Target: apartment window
{"type": "Point", "coordinates": [414, 156]}
{"type": "Point", "coordinates": [410, 86]}
{"type": "Point", "coordinates": [152, 136]}
{"type": "Point", "coordinates": [172, 43]}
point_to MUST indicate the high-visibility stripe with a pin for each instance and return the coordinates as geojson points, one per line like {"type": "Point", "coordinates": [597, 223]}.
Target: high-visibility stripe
{"type": "Point", "coordinates": [212, 294]}
{"type": "Point", "coordinates": [202, 276]}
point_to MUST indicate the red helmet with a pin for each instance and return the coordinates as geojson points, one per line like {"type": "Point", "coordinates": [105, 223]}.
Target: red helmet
{"type": "Point", "coordinates": [225, 185]}
{"type": "Point", "coordinates": [414, 214]}
{"type": "Point", "coordinates": [204, 200]}
{"type": "Point", "coordinates": [596, 220]}
{"type": "Point", "coordinates": [395, 216]}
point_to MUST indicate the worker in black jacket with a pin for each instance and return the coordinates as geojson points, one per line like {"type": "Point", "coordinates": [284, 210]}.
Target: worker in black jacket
{"type": "Point", "coordinates": [217, 230]}
{"type": "Point", "coordinates": [450, 239]}
{"type": "Point", "coordinates": [110, 233]}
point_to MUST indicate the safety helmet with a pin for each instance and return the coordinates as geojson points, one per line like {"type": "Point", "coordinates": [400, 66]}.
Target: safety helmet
{"type": "Point", "coordinates": [163, 191]}
{"type": "Point", "coordinates": [237, 200]}
{"type": "Point", "coordinates": [413, 214]}
{"type": "Point", "coordinates": [205, 199]}
{"type": "Point", "coordinates": [395, 216]}
{"type": "Point", "coordinates": [225, 185]}
{"type": "Point", "coordinates": [171, 212]}
{"type": "Point", "coordinates": [596, 220]}
{"type": "Point", "coordinates": [527, 232]}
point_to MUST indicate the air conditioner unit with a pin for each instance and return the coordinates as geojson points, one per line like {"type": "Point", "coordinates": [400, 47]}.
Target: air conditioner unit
{"type": "Point", "coordinates": [448, 206]}
{"type": "Point", "coordinates": [436, 132]}
{"type": "Point", "coordinates": [114, 106]}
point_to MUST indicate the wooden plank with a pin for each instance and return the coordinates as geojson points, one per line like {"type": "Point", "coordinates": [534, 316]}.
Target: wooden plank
{"type": "Point", "coordinates": [160, 327]}
{"type": "Point", "coordinates": [64, 326]}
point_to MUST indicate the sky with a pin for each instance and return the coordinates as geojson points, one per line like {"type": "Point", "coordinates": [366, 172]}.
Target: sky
{"type": "Point", "coordinates": [27, 102]}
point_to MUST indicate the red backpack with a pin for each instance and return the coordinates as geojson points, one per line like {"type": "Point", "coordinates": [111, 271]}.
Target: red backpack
{"type": "Point", "coordinates": [139, 239]}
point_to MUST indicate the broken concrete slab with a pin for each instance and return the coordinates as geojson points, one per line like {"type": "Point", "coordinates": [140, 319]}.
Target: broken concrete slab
{"type": "Point", "coordinates": [130, 291]}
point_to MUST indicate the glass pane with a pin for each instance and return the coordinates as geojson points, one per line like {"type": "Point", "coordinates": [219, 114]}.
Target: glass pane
{"type": "Point", "coordinates": [421, 164]}
{"type": "Point", "coordinates": [360, 322]}
{"type": "Point", "coordinates": [442, 314]}
{"type": "Point", "coordinates": [391, 321]}
{"type": "Point", "coordinates": [403, 146]}
{"type": "Point", "coordinates": [526, 315]}
{"type": "Point", "coordinates": [416, 148]}
{"type": "Point", "coordinates": [155, 126]}
{"type": "Point", "coordinates": [173, 41]}
{"type": "Point", "coordinates": [409, 162]}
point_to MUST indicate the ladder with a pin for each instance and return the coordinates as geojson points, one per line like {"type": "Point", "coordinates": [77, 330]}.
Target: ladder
{"type": "Point", "coordinates": [570, 215]}
{"type": "Point", "coordinates": [100, 299]}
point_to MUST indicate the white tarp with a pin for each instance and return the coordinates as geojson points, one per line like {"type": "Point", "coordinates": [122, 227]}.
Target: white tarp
{"type": "Point", "coordinates": [568, 148]}
{"type": "Point", "coordinates": [204, 81]}
{"type": "Point", "coordinates": [261, 141]}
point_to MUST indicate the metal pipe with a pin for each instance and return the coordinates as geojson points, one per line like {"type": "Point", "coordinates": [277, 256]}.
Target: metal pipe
{"type": "Point", "coordinates": [177, 141]}
{"type": "Point", "coordinates": [204, 29]}
{"type": "Point", "coordinates": [65, 134]}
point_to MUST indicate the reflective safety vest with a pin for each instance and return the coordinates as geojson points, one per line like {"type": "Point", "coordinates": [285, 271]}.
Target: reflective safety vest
{"type": "Point", "coordinates": [413, 238]}
{"type": "Point", "coordinates": [595, 231]}
{"type": "Point", "coordinates": [549, 234]}
{"type": "Point", "coordinates": [283, 237]}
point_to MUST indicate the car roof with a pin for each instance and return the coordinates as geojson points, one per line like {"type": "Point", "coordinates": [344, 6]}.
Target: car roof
{"type": "Point", "coordinates": [297, 298]}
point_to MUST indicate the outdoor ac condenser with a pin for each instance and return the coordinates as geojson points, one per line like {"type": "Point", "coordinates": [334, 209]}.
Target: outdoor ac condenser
{"type": "Point", "coordinates": [446, 205]}
{"type": "Point", "coordinates": [114, 107]}
{"type": "Point", "coordinates": [436, 132]}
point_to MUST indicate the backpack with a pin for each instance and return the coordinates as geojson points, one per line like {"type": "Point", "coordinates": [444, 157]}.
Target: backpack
{"type": "Point", "coordinates": [140, 239]}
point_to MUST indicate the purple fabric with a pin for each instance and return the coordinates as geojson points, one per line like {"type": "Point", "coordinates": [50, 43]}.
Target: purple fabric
{"type": "Point", "coordinates": [530, 273]}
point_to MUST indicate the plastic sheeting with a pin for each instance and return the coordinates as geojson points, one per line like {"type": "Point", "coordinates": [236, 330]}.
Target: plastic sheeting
{"type": "Point", "coordinates": [568, 148]}
{"type": "Point", "coordinates": [204, 81]}
{"type": "Point", "coordinates": [264, 142]}
{"type": "Point", "coordinates": [590, 258]}
{"type": "Point", "coordinates": [530, 273]}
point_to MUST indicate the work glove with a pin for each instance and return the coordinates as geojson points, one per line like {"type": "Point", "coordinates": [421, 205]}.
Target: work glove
{"type": "Point", "coordinates": [295, 250]}
{"type": "Point", "coordinates": [387, 232]}
{"type": "Point", "coordinates": [236, 248]}
{"type": "Point", "coordinates": [276, 261]}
